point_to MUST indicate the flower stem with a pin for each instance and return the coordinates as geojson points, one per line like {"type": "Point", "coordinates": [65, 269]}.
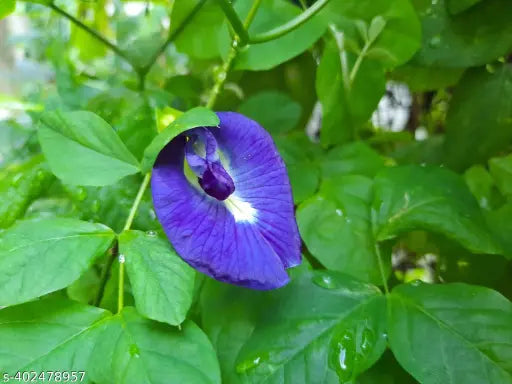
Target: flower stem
{"type": "Point", "coordinates": [234, 20]}
{"type": "Point", "coordinates": [114, 48]}
{"type": "Point", "coordinates": [289, 26]}
{"type": "Point", "coordinates": [381, 268]}
{"type": "Point", "coordinates": [127, 226]}
{"type": "Point", "coordinates": [228, 64]}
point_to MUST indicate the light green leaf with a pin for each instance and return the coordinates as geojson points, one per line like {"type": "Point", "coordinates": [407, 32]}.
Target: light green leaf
{"type": "Point", "coordinates": [7, 7]}
{"type": "Point", "coordinates": [196, 117]}
{"type": "Point", "coordinates": [451, 333]}
{"type": "Point", "coordinates": [274, 110]}
{"type": "Point", "coordinates": [57, 251]}
{"type": "Point", "coordinates": [271, 14]}
{"type": "Point", "coordinates": [469, 112]}
{"type": "Point", "coordinates": [472, 38]}
{"type": "Point", "coordinates": [49, 335]}
{"type": "Point", "coordinates": [83, 149]}
{"type": "Point", "coordinates": [482, 186]}
{"type": "Point", "coordinates": [336, 226]}
{"type": "Point", "coordinates": [135, 350]}
{"type": "Point", "coordinates": [501, 171]}
{"type": "Point", "coordinates": [501, 226]}
{"type": "Point", "coordinates": [343, 338]}
{"type": "Point", "coordinates": [346, 107]}
{"type": "Point", "coordinates": [20, 184]}
{"type": "Point", "coordinates": [162, 283]}
{"type": "Point", "coordinates": [407, 198]}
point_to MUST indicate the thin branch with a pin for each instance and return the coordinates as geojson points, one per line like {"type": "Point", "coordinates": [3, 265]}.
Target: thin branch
{"type": "Point", "coordinates": [114, 48]}
{"type": "Point", "coordinates": [289, 26]}
{"type": "Point", "coordinates": [235, 21]}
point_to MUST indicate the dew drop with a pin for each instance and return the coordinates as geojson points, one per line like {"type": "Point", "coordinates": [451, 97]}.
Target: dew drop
{"type": "Point", "coordinates": [435, 41]}
{"type": "Point", "coordinates": [325, 281]}
{"type": "Point", "coordinates": [367, 341]}
{"type": "Point", "coordinates": [416, 283]}
{"type": "Point", "coordinates": [490, 68]}
{"type": "Point", "coordinates": [134, 350]}
{"type": "Point", "coordinates": [339, 212]}
{"type": "Point", "coordinates": [16, 179]}
{"type": "Point", "coordinates": [342, 356]}
{"type": "Point", "coordinates": [151, 233]}
{"type": "Point", "coordinates": [122, 259]}
{"type": "Point", "coordinates": [249, 364]}
{"type": "Point", "coordinates": [81, 194]}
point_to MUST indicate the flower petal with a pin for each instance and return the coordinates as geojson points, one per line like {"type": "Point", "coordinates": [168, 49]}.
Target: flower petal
{"type": "Point", "coordinates": [248, 239]}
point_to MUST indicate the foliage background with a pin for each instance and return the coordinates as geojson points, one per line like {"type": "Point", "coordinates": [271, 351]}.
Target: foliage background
{"type": "Point", "coordinates": [394, 118]}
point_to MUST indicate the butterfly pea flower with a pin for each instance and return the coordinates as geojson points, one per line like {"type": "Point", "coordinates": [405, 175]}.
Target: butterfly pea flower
{"type": "Point", "coordinates": [224, 200]}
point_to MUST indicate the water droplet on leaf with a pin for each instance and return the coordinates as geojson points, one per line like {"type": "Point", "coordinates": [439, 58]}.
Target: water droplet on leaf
{"type": "Point", "coordinates": [435, 41]}
{"type": "Point", "coordinates": [151, 233]}
{"type": "Point", "coordinates": [342, 355]}
{"type": "Point", "coordinates": [248, 364]}
{"type": "Point", "coordinates": [325, 281]}
{"type": "Point", "coordinates": [134, 350]}
{"type": "Point", "coordinates": [122, 259]}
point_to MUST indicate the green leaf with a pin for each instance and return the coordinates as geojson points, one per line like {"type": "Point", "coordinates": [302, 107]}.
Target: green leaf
{"type": "Point", "coordinates": [344, 337]}
{"type": "Point", "coordinates": [482, 186]}
{"type": "Point", "coordinates": [111, 204]}
{"type": "Point", "coordinates": [501, 171]}
{"type": "Point", "coordinates": [201, 38]}
{"type": "Point", "coordinates": [83, 149]}
{"type": "Point", "coordinates": [274, 110]}
{"type": "Point", "coordinates": [287, 343]}
{"type": "Point", "coordinates": [336, 226]}
{"type": "Point", "coordinates": [304, 178]}
{"type": "Point", "coordinates": [501, 226]}
{"type": "Point", "coordinates": [475, 37]}
{"type": "Point", "coordinates": [57, 251]}
{"type": "Point", "coordinates": [162, 283]}
{"type": "Point", "coordinates": [135, 350]}
{"type": "Point", "coordinates": [196, 117]}
{"type": "Point", "coordinates": [458, 6]}
{"type": "Point", "coordinates": [20, 184]}
{"type": "Point", "coordinates": [7, 7]}
{"type": "Point", "coordinates": [400, 36]}
{"type": "Point", "coordinates": [271, 14]}
{"type": "Point", "coordinates": [407, 198]}
{"type": "Point", "coordinates": [346, 107]}
{"type": "Point", "coordinates": [469, 112]}
{"type": "Point", "coordinates": [420, 79]}
{"type": "Point", "coordinates": [451, 333]}
{"type": "Point", "coordinates": [48, 335]}
{"type": "Point", "coordinates": [354, 158]}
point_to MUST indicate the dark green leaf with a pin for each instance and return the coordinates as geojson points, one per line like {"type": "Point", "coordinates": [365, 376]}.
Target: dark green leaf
{"type": "Point", "coordinates": [162, 283]}
{"type": "Point", "coordinates": [201, 38]}
{"type": "Point", "coordinates": [500, 223]}
{"type": "Point", "coordinates": [401, 35]}
{"type": "Point", "coordinates": [469, 111]}
{"type": "Point", "coordinates": [275, 111]}
{"type": "Point", "coordinates": [346, 107]}
{"type": "Point", "coordinates": [49, 335]}
{"type": "Point", "coordinates": [345, 336]}
{"type": "Point", "coordinates": [353, 158]}
{"type": "Point", "coordinates": [82, 149]}
{"type": "Point", "coordinates": [451, 333]}
{"type": "Point", "coordinates": [336, 226]}
{"type": "Point", "coordinates": [482, 186]}
{"type": "Point", "coordinates": [475, 37]}
{"type": "Point", "coordinates": [57, 251]}
{"type": "Point", "coordinates": [458, 6]}
{"type": "Point", "coordinates": [271, 14]}
{"type": "Point", "coordinates": [420, 79]}
{"type": "Point", "coordinates": [19, 186]}
{"type": "Point", "coordinates": [196, 117]}
{"type": "Point", "coordinates": [135, 350]}
{"type": "Point", "coordinates": [435, 199]}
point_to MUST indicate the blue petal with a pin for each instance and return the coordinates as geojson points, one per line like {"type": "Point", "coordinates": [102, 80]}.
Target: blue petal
{"type": "Point", "coordinates": [250, 238]}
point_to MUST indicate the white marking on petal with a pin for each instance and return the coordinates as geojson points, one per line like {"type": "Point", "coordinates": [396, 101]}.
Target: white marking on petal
{"type": "Point", "coordinates": [241, 210]}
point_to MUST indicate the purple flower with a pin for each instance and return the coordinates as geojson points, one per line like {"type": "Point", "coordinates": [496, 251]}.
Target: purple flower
{"type": "Point", "coordinates": [228, 209]}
